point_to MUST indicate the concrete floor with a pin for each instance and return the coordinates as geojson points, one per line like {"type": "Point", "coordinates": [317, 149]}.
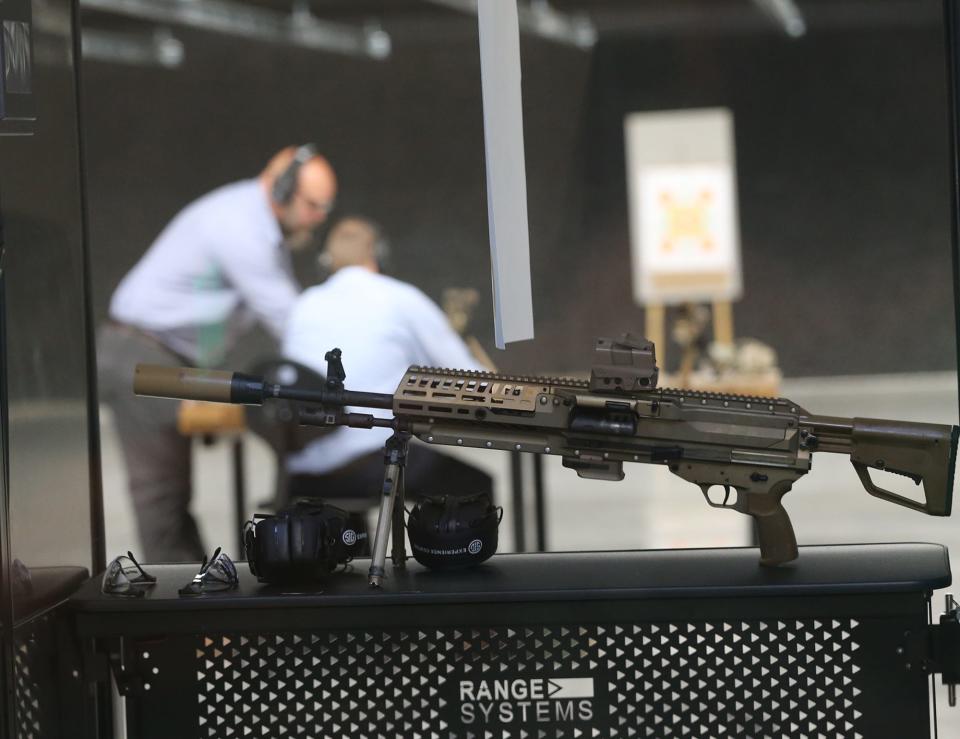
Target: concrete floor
{"type": "Point", "coordinates": [651, 508]}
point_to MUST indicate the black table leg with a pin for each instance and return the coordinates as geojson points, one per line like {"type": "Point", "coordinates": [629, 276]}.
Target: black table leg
{"type": "Point", "coordinates": [540, 501]}
{"type": "Point", "coordinates": [516, 480]}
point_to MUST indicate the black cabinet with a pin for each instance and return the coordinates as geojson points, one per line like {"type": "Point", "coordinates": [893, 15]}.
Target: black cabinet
{"type": "Point", "coordinates": [614, 644]}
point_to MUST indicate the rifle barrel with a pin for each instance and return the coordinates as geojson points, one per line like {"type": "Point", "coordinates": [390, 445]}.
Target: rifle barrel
{"type": "Point", "coordinates": [219, 386]}
{"type": "Point", "coordinates": [327, 396]}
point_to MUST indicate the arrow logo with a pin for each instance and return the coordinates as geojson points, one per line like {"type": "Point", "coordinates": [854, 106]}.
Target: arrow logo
{"type": "Point", "coordinates": [570, 687]}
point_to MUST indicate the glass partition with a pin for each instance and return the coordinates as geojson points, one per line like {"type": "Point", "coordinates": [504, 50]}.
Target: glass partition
{"type": "Point", "coordinates": [838, 159]}
{"type": "Point", "coordinates": [47, 415]}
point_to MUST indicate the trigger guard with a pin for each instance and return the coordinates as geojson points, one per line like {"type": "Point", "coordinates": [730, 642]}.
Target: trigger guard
{"type": "Point", "coordinates": [705, 489]}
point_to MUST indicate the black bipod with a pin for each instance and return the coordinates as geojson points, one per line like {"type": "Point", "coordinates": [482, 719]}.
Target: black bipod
{"type": "Point", "coordinates": [391, 508]}
{"type": "Point", "coordinates": [392, 492]}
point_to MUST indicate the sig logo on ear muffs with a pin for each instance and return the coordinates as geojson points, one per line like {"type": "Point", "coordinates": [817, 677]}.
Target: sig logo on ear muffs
{"type": "Point", "coordinates": [449, 531]}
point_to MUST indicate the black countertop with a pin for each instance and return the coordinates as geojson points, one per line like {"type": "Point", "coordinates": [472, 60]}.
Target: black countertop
{"type": "Point", "coordinates": [702, 573]}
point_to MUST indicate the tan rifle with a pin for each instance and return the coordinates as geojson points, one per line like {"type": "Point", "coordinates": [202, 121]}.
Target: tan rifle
{"type": "Point", "coordinates": [754, 448]}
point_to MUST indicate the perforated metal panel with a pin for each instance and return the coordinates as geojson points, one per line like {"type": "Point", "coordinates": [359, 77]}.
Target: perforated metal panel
{"type": "Point", "coordinates": [27, 691]}
{"type": "Point", "coordinates": [795, 678]}
{"type": "Point", "coordinates": [36, 701]}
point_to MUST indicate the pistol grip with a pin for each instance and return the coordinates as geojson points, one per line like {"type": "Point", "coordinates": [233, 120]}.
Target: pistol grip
{"type": "Point", "coordinates": [778, 544]}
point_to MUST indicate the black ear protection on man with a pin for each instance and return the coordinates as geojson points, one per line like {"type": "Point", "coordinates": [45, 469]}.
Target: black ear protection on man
{"type": "Point", "coordinates": [286, 183]}
{"type": "Point", "coordinates": [449, 531]}
{"type": "Point", "coordinates": [381, 248]}
{"type": "Point", "coordinates": [303, 543]}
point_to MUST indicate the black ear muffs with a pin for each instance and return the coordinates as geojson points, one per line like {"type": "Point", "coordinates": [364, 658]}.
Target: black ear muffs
{"type": "Point", "coordinates": [449, 532]}
{"type": "Point", "coordinates": [302, 543]}
{"type": "Point", "coordinates": [381, 249]}
{"type": "Point", "coordinates": [286, 183]}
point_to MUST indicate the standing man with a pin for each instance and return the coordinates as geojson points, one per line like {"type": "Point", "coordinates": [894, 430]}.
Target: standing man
{"type": "Point", "coordinates": [383, 326]}
{"type": "Point", "coordinates": [220, 264]}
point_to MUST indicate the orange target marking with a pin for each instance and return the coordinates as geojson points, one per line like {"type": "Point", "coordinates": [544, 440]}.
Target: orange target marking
{"type": "Point", "coordinates": [687, 221]}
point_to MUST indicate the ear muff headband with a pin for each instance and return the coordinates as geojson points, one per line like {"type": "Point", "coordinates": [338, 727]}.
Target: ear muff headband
{"type": "Point", "coordinates": [381, 253]}
{"type": "Point", "coordinates": [286, 183]}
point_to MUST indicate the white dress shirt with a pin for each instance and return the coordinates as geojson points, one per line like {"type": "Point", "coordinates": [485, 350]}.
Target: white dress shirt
{"type": "Point", "coordinates": [218, 265]}
{"type": "Point", "coordinates": [383, 326]}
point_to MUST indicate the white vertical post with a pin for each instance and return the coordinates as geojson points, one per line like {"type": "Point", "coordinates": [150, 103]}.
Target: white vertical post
{"type": "Point", "coordinates": [506, 170]}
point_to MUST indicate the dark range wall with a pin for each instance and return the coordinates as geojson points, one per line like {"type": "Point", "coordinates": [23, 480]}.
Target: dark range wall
{"type": "Point", "coordinates": [406, 138]}
{"type": "Point", "coordinates": [842, 156]}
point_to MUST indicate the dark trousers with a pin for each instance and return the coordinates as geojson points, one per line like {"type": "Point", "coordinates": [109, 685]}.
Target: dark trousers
{"type": "Point", "coordinates": [428, 472]}
{"type": "Point", "coordinates": [157, 456]}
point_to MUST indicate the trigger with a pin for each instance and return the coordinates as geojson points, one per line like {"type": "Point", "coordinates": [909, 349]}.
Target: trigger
{"type": "Point", "coordinates": [726, 496]}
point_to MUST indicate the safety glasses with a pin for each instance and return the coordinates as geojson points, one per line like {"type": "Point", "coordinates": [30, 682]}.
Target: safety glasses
{"type": "Point", "coordinates": [216, 574]}
{"type": "Point", "coordinates": [124, 576]}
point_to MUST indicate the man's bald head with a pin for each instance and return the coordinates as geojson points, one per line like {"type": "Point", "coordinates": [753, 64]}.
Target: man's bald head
{"type": "Point", "coordinates": [311, 199]}
{"type": "Point", "coordinates": [352, 242]}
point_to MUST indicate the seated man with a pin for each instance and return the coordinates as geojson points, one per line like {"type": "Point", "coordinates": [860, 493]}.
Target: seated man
{"type": "Point", "coordinates": [383, 326]}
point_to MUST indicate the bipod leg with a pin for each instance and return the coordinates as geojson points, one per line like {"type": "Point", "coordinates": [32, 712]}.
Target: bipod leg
{"type": "Point", "coordinates": [394, 459]}
{"type": "Point", "coordinates": [398, 553]}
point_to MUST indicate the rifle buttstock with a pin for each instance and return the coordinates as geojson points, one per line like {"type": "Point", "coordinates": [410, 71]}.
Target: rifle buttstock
{"type": "Point", "coordinates": [925, 453]}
